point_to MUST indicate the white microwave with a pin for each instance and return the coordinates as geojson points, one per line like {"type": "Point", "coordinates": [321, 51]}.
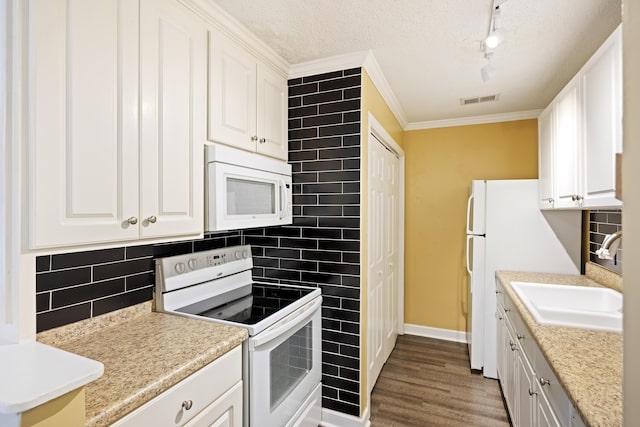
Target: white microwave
{"type": "Point", "coordinates": [245, 190]}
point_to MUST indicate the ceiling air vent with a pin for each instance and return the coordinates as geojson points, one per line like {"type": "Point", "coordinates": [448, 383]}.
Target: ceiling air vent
{"type": "Point", "coordinates": [479, 99]}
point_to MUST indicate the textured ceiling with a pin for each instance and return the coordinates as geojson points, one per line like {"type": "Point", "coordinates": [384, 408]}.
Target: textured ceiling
{"type": "Point", "coordinates": [429, 50]}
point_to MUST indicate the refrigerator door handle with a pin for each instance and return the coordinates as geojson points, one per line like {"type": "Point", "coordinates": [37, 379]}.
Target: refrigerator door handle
{"type": "Point", "coordinates": [469, 242]}
{"type": "Point", "coordinates": [469, 219]}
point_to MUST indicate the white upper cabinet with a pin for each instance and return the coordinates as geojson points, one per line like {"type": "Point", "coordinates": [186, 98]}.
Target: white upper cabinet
{"type": "Point", "coordinates": [580, 133]}
{"type": "Point", "coordinates": [601, 80]}
{"type": "Point", "coordinates": [566, 146]}
{"type": "Point", "coordinates": [546, 158]}
{"type": "Point", "coordinates": [114, 107]}
{"type": "Point", "coordinates": [247, 100]}
{"type": "Point", "coordinates": [173, 66]}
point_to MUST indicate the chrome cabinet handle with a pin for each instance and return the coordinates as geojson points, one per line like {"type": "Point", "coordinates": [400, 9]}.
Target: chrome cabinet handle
{"type": "Point", "coordinates": [506, 310]}
{"type": "Point", "coordinates": [576, 197]}
{"type": "Point", "coordinates": [549, 200]}
{"type": "Point", "coordinates": [500, 317]}
{"type": "Point", "coordinates": [254, 138]}
{"type": "Point", "coordinates": [519, 336]}
{"type": "Point", "coordinates": [544, 382]}
{"type": "Point", "coordinates": [512, 345]}
{"type": "Point", "coordinates": [152, 219]}
{"type": "Point", "coordinates": [187, 404]}
{"type": "Point", "coordinates": [133, 220]}
{"type": "Point", "coordinates": [531, 392]}
{"type": "Point", "coordinates": [498, 292]}
{"type": "Point", "coordinates": [262, 140]}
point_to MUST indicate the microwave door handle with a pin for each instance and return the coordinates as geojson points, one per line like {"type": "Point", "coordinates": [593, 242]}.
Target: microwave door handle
{"type": "Point", "coordinates": [304, 315]}
{"type": "Point", "coordinates": [284, 204]}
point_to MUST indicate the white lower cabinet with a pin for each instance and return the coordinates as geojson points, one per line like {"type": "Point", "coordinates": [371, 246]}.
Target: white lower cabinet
{"type": "Point", "coordinates": [533, 394]}
{"type": "Point", "coordinates": [209, 397]}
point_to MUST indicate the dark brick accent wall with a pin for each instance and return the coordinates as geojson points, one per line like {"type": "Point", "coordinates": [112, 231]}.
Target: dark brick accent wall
{"type": "Point", "coordinates": [322, 247]}
{"type": "Point", "coordinates": [79, 285]}
{"type": "Point", "coordinates": [601, 223]}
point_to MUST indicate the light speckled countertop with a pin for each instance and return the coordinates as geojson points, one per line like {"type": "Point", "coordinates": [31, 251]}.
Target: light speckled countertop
{"type": "Point", "coordinates": [587, 363]}
{"type": "Point", "coordinates": [144, 353]}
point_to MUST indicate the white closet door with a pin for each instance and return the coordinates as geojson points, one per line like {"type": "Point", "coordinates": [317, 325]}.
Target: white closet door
{"type": "Point", "coordinates": [82, 121]}
{"type": "Point", "coordinates": [173, 55]}
{"type": "Point", "coordinates": [382, 266]}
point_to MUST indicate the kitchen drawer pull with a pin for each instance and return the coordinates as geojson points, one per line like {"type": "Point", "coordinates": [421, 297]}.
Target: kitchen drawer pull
{"type": "Point", "coordinates": [513, 346]}
{"type": "Point", "coordinates": [498, 292]}
{"type": "Point", "coordinates": [531, 392]}
{"type": "Point", "coordinates": [133, 220]}
{"type": "Point", "coordinates": [544, 382]}
{"type": "Point", "coordinates": [262, 140]}
{"type": "Point", "coordinates": [152, 219]}
{"type": "Point", "coordinates": [254, 138]}
{"type": "Point", "coordinates": [506, 310]}
{"type": "Point", "coordinates": [187, 404]}
{"type": "Point", "coordinates": [519, 336]}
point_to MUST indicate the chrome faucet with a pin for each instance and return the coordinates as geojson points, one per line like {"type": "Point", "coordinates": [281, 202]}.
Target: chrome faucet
{"type": "Point", "coordinates": [610, 245]}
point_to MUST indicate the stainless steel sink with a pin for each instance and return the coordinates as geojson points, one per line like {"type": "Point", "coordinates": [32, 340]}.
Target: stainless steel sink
{"type": "Point", "coordinates": [581, 307]}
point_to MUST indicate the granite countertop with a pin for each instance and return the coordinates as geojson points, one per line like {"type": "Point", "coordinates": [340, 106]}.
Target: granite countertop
{"type": "Point", "coordinates": [587, 363]}
{"type": "Point", "coordinates": [144, 353]}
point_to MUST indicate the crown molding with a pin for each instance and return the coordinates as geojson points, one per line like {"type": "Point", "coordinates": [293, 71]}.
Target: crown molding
{"type": "Point", "coordinates": [327, 65]}
{"type": "Point", "coordinates": [232, 28]}
{"type": "Point", "coordinates": [475, 120]}
{"type": "Point", "coordinates": [380, 81]}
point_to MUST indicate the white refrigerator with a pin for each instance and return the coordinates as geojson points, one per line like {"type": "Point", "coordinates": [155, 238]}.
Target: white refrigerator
{"type": "Point", "coordinates": [506, 230]}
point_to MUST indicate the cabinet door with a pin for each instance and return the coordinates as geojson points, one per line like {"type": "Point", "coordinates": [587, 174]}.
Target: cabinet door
{"type": "Point", "coordinates": [82, 121]}
{"type": "Point", "coordinates": [602, 91]}
{"type": "Point", "coordinates": [232, 94]}
{"type": "Point", "coordinates": [173, 63]}
{"type": "Point", "coordinates": [525, 391]}
{"type": "Point", "coordinates": [545, 158]}
{"type": "Point", "coordinates": [567, 168]}
{"type": "Point", "coordinates": [272, 114]}
{"type": "Point", "coordinates": [509, 381]}
{"type": "Point", "coordinates": [226, 411]}
{"type": "Point", "coordinates": [544, 414]}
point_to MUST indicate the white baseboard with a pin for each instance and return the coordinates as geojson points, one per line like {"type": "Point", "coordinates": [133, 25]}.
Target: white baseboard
{"type": "Point", "coordinates": [331, 418]}
{"type": "Point", "coordinates": [441, 334]}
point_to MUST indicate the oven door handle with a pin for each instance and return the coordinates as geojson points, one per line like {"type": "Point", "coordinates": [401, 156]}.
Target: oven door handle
{"type": "Point", "coordinates": [292, 323]}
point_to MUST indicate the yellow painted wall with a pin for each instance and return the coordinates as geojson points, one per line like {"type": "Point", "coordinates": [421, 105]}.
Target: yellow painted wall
{"type": "Point", "coordinates": [440, 164]}
{"type": "Point", "coordinates": [371, 102]}
{"type": "Point", "coordinates": [65, 411]}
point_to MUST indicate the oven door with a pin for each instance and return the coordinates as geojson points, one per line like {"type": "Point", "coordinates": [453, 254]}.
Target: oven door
{"type": "Point", "coordinates": [285, 366]}
{"type": "Point", "coordinates": [241, 197]}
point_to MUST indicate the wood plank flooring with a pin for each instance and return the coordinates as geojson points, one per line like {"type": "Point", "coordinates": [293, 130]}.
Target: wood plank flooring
{"type": "Point", "coordinates": [427, 382]}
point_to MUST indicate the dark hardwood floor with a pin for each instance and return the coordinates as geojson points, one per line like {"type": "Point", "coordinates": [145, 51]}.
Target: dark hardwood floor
{"type": "Point", "coordinates": [427, 382]}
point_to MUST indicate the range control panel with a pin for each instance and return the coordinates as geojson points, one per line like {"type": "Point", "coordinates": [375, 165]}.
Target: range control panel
{"type": "Point", "coordinates": [183, 264]}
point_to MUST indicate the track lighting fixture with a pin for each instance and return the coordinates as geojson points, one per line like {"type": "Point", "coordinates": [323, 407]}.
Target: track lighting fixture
{"type": "Point", "coordinates": [494, 37]}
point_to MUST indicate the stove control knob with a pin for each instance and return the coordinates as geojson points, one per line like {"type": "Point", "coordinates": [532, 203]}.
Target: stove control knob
{"type": "Point", "coordinates": [180, 267]}
{"type": "Point", "coordinates": [193, 263]}
{"type": "Point", "coordinates": [238, 255]}
{"type": "Point", "coordinates": [245, 254]}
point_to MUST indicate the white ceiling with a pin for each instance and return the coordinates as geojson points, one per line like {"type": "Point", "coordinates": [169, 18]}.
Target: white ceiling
{"type": "Point", "coordinates": [429, 50]}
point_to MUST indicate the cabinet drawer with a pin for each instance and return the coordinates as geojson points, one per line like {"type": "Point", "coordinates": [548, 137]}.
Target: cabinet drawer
{"type": "Point", "coordinates": [522, 333]}
{"type": "Point", "coordinates": [200, 389]}
{"type": "Point", "coordinates": [549, 384]}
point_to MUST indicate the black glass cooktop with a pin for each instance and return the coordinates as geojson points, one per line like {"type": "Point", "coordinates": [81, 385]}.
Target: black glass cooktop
{"type": "Point", "coordinates": [264, 300]}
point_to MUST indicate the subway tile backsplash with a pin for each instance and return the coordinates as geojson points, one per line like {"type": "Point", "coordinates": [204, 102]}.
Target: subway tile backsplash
{"type": "Point", "coordinates": [601, 223]}
{"type": "Point", "coordinates": [79, 285]}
